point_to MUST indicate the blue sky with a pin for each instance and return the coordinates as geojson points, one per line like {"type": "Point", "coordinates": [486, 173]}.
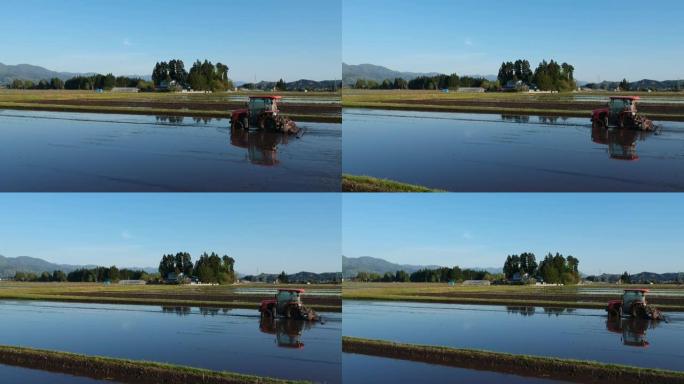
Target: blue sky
{"type": "Point", "coordinates": [263, 232]}
{"type": "Point", "coordinates": [268, 39]}
{"type": "Point", "coordinates": [608, 232]}
{"type": "Point", "coordinates": [604, 40]}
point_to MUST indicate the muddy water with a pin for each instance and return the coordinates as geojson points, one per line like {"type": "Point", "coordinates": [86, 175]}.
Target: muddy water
{"type": "Point", "coordinates": [567, 333]}
{"type": "Point", "coordinates": [479, 152]}
{"type": "Point", "coordinates": [355, 370]}
{"type": "Point", "coordinates": [49, 151]}
{"type": "Point", "coordinates": [219, 339]}
{"type": "Point", "coordinates": [17, 375]}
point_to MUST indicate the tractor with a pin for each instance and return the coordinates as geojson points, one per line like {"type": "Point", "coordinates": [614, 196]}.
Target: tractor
{"type": "Point", "coordinates": [288, 304]}
{"type": "Point", "coordinates": [621, 112]}
{"type": "Point", "coordinates": [633, 304]}
{"type": "Point", "coordinates": [262, 113]}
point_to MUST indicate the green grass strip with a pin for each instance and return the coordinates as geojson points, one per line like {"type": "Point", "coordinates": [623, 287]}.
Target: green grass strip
{"type": "Point", "coordinates": [351, 183]}
{"type": "Point", "coordinates": [579, 371]}
{"type": "Point", "coordinates": [122, 370]}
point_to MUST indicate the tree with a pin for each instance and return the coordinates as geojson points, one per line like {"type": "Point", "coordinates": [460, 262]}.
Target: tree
{"type": "Point", "coordinates": [167, 265]}
{"type": "Point", "coordinates": [282, 278]}
{"type": "Point", "coordinates": [360, 84]}
{"type": "Point", "coordinates": [280, 85]}
{"type": "Point", "coordinates": [59, 276]}
{"type": "Point", "coordinates": [624, 85]}
{"type": "Point", "coordinates": [625, 278]}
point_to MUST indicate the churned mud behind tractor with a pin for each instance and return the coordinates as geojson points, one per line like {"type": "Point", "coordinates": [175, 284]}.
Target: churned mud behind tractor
{"type": "Point", "coordinates": [633, 304]}
{"type": "Point", "coordinates": [288, 304]}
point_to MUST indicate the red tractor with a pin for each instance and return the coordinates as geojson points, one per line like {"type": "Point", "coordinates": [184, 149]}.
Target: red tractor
{"type": "Point", "coordinates": [262, 112]}
{"type": "Point", "coordinates": [288, 304]}
{"type": "Point", "coordinates": [621, 112]}
{"type": "Point", "coordinates": [633, 304]}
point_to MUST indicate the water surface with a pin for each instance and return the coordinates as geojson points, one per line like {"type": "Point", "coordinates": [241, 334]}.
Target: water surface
{"type": "Point", "coordinates": [233, 340]}
{"type": "Point", "coordinates": [82, 152]}
{"type": "Point", "coordinates": [355, 370]}
{"type": "Point", "coordinates": [566, 333]}
{"type": "Point", "coordinates": [480, 152]}
{"type": "Point", "coordinates": [19, 375]}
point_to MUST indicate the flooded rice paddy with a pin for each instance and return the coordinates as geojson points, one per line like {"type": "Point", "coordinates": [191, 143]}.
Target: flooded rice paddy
{"type": "Point", "coordinates": [233, 340]}
{"type": "Point", "coordinates": [583, 334]}
{"type": "Point", "coordinates": [355, 370]}
{"type": "Point", "coordinates": [482, 152]}
{"type": "Point", "coordinates": [82, 152]}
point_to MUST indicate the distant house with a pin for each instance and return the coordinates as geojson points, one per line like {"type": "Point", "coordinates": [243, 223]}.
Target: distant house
{"type": "Point", "coordinates": [125, 90]}
{"type": "Point", "coordinates": [515, 86]}
{"type": "Point", "coordinates": [169, 86]}
{"type": "Point", "coordinates": [519, 277]}
{"type": "Point", "coordinates": [477, 282]}
{"type": "Point", "coordinates": [132, 282]}
{"type": "Point", "coordinates": [173, 278]}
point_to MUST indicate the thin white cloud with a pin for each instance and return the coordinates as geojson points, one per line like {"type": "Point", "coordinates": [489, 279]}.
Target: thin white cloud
{"type": "Point", "coordinates": [126, 235]}
{"type": "Point", "coordinates": [468, 41]}
{"type": "Point", "coordinates": [467, 235]}
{"type": "Point", "coordinates": [127, 43]}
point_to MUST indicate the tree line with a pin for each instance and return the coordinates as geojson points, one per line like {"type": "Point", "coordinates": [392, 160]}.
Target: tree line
{"type": "Point", "coordinates": [451, 82]}
{"type": "Point", "coordinates": [203, 76]}
{"type": "Point", "coordinates": [554, 269]}
{"type": "Point", "coordinates": [548, 76]}
{"type": "Point", "coordinates": [209, 268]}
{"type": "Point", "coordinates": [84, 83]}
{"type": "Point", "coordinates": [438, 275]}
{"type": "Point", "coordinates": [85, 275]}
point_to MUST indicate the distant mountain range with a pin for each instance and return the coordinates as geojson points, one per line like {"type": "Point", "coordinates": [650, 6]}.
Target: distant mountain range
{"type": "Point", "coordinates": [351, 266]}
{"type": "Point", "coordinates": [296, 85]}
{"type": "Point", "coordinates": [643, 277]}
{"type": "Point", "coordinates": [9, 266]}
{"type": "Point", "coordinates": [299, 277]}
{"type": "Point", "coordinates": [644, 84]}
{"type": "Point", "coordinates": [351, 73]}
{"type": "Point", "coordinates": [8, 73]}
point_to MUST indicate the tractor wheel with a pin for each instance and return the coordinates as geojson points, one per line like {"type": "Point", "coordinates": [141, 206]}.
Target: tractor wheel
{"type": "Point", "coordinates": [237, 124]}
{"type": "Point", "coordinates": [271, 125]}
{"type": "Point", "coordinates": [604, 121]}
{"type": "Point", "coordinates": [289, 313]}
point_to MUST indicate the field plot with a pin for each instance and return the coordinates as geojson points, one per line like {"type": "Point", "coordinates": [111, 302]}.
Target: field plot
{"type": "Point", "coordinates": [657, 105]}
{"type": "Point", "coordinates": [312, 107]}
{"type": "Point", "coordinates": [320, 297]}
{"type": "Point", "coordinates": [509, 153]}
{"type": "Point", "coordinates": [84, 152]}
{"type": "Point", "coordinates": [234, 340]}
{"type": "Point", "coordinates": [582, 334]}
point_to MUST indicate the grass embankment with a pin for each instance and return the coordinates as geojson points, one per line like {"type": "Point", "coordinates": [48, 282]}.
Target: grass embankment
{"type": "Point", "coordinates": [351, 183]}
{"type": "Point", "coordinates": [579, 371]}
{"type": "Point", "coordinates": [563, 104]}
{"type": "Point", "coordinates": [510, 295]}
{"type": "Point", "coordinates": [166, 295]}
{"type": "Point", "coordinates": [215, 105]}
{"type": "Point", "coordinates": [122, 370]}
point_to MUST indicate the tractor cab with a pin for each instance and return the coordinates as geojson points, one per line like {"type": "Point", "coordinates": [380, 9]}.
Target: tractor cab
{"type": "Point", "coordinates": [619, 104]}
{"type": "Point", "coordinates": [262, 112]}
{"type": "Point", "coordinates": [288, 297]}
{"type": "Point", "coordinates": [632, 298]}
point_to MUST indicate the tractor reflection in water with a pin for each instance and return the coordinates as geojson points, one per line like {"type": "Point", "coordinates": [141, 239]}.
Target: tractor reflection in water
{"type": "Point", "coordinates": [622, 143]}
{"type": "Point", "coordinates": [633, 330]}
{"type": "Point", "coordinates": [288, 332]}
{"type": "Point", "coordinates": [261, 146]}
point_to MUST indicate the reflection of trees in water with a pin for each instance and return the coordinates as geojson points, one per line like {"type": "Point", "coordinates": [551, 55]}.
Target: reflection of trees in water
{"type": "Point", "coordinates": [170, 119]}
{"type": "Point", "coordinates": [558, 311]}
{"type": "Point", "coordinates": [179, 310]}
{"type": "Point", "coordinates": [205, 120]}
{"type": "Point", "coordinates": [516, 118]}
{"type": "Point", "coordinates": [524, 311]}
{"type": "Point", "coordinates": [209, 311]}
